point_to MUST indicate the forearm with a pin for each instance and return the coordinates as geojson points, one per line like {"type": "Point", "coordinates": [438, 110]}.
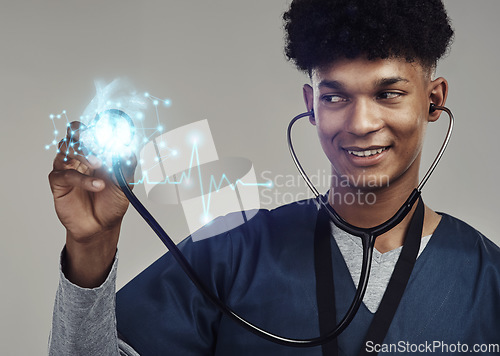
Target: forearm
{"type": "Point", "coordinates": [88, 263]}
{"type": "Point", "coordinates": [84, 321]}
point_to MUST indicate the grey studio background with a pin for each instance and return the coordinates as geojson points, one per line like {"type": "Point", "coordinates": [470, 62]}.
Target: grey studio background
{"type": "Point", "coordinates": [220, 60]}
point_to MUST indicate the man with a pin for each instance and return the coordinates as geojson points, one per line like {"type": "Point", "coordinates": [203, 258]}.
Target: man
{"type": "Point", "coordinates": [372, 91]}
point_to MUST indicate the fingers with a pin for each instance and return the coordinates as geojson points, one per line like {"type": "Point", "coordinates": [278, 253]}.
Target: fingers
{"type": "Point", "coordinates": [74, 129]}
{"type": "Point", "coordinates": [61, 182]}
{"type": "Point", "coordinates": [72, 154]}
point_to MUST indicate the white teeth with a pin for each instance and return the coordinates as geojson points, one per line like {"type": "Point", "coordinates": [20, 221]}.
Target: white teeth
{"type": "Point", "coordinates": [367, 153]}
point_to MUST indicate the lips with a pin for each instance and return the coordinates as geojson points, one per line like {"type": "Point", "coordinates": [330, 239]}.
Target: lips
{"type": "Point", "coordinates": [367, 152]}
{"type": "Point", "coordinates": [366, 156]}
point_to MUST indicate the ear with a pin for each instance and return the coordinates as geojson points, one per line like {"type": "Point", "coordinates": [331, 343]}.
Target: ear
{"type": "Point", "coordinates": [438, 94]}
{"type": "Point", "coordinates": [307, 90]}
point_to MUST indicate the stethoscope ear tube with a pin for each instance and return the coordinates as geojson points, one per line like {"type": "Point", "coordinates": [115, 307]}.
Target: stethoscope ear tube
{"type": "Point", "coordinates": [405, 208]}
{"type": "Point", "coordinates": [367, 235]}
{"type": "Point", "coordinates": [294, 156]}
{"type": "Point", "coordinates": [443, 146]}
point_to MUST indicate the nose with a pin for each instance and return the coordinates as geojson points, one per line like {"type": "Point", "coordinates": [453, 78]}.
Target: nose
{"type": "Point", "coordinates": [363, 118]}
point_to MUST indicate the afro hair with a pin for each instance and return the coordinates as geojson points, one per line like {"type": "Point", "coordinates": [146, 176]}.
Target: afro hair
{"type": "Point", "coordinates": [319, 32]}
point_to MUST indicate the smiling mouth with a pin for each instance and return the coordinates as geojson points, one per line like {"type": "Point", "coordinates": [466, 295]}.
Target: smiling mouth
{"type": "Point", "coordinates": [367, 153]}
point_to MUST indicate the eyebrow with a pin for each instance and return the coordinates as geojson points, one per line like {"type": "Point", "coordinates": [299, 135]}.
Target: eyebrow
{"type": "Point", "coordinates": [336, 85]}
{"type": "Point", "coordinates": [389, 81]}
{"type": "Point", "coordinates": [331, 84]}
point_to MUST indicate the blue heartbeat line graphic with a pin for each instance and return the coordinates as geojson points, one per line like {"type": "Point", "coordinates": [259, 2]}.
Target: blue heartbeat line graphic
{"type": "Point", "coordinates": [185, 177]}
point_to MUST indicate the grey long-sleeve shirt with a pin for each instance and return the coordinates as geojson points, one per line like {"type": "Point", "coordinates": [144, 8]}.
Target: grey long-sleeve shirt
{"type": "Point", "coordinates": [84, 320]}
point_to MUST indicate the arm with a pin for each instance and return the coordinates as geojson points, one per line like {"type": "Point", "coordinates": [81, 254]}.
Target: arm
{"type": "Point", "coordinates": [91, 208]}
{"type": "Point", "coordinates": [84, 321]}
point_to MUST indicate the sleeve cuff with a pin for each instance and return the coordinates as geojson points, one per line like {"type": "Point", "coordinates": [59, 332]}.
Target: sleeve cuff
{"type": "Point", "coordinates": [83, 297]}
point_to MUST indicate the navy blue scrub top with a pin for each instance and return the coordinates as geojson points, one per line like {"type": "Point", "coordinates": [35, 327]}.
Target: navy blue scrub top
{"type": "Point", "coordinates": [264, 270]}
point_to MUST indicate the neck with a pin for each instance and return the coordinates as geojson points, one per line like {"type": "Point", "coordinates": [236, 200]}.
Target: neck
{"type": "Point", "coordinates": [369, 207]}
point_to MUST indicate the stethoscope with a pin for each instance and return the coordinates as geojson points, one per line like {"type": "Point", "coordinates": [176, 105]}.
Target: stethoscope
{"type": "Point", "coordinates": [367, 235]}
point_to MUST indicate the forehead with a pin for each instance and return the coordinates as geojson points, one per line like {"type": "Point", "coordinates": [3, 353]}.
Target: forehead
{"type": "Point", "coordinates": [364, 73]}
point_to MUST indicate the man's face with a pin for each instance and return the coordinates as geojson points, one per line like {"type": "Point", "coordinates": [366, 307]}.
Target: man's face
{"type": "Point", "coordinates": [371, 118]}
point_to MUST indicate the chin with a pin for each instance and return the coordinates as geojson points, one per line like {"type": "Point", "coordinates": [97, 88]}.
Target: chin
{"type": "Point", "coordinates": [362, 181]}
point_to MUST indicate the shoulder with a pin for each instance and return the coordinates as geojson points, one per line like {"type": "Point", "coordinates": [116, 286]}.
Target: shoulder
{"type": "Point", "coordinates": [260, 222]}
{"type": "Point", "coordinates": [466, 233]}
{"type": "Point", "coordinates": [469, 241]}
{"type": "Point", "coordinates": [296, 215]}
{"type": "Point", "coordinates": [467, 267]}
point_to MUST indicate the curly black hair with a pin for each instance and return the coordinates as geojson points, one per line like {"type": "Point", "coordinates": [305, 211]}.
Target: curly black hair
{"type": "Point", "coordinates": [319, 32]}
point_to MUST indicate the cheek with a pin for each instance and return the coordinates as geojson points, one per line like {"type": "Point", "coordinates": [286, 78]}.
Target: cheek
{"type": "Point", "coordinates": [407, 125]}
{"type": "Point", "coordinates": [327, 128]}
{"type": "Point", "coordinates": [326, 132]}
{"type": "Point", "coordinates": [410, 134]}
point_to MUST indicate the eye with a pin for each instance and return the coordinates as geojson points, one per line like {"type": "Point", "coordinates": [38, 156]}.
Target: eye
{"type": "Point", "coordinates": [333, 98]}
{"type": "Point", "coordinates": [389, 95]}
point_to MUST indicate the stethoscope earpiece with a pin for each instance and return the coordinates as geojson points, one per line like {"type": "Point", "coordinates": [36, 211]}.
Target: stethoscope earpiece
{"type": "Point", "coordinates": [312, 119]}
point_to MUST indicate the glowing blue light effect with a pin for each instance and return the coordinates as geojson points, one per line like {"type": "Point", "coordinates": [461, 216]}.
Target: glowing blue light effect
{"type": "Point", "coordinates": [120, 122]}
{"type": "Point", "coordinates": [112, 133]}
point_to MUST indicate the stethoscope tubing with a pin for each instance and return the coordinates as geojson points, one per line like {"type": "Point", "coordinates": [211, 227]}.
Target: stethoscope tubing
{"type": "Point", "coordinates": [186, 267]}
{"type": "Point", "coordinates": [405, 208]}
{"type": "Point", "coordinates": [368, 236]}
